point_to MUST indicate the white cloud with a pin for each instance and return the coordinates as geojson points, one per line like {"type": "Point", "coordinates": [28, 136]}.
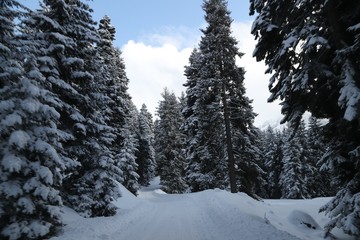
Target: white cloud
{"type": "Point", "coordinates": [256, 82]}
{"type": "Point", "coordinates": [158, 60]}
{"type": "Point", "coordinates": [180, 37]}
{"type": "Point", "coordinates": [151, 69]}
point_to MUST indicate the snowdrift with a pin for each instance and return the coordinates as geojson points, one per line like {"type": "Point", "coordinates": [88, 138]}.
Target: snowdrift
{"type": "Point", "coordinates": [211, 215]}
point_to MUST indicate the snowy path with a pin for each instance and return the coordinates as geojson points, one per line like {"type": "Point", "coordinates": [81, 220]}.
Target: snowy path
{"type": "Point", "coordinates": [197, 216]}
{"type": "Point", "coordinates": [207, 215]}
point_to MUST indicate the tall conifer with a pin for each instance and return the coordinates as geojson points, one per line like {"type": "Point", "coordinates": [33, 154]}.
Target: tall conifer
{"type": "Point", "coordinates": [312, 51]}
{"type": "Point", "coordinates": [218, 115]}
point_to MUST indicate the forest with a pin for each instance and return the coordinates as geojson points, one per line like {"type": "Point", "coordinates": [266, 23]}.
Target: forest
{"type": "Point", "coordinates": [70, 133]}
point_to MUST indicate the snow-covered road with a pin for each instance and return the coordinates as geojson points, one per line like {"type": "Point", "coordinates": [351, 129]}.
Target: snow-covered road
{"type": "Point", "coordinates": [198, 216]}
{"type": "Point", "coordinates": [207, 215]}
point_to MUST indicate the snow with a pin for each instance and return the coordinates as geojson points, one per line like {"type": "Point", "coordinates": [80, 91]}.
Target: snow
{"type": "Point", "coordinates": [19, 139]}
{"type": "Point", "coordinates": [46, 148]}
{"type": "Point", "coordinates": [355, 27]}
{"type": "Point", "coordinates": [11, 163]}
{"type": "Point", "coordinates": [211, 214]}
{"type": "Point", "coordinates": [4, 48]}
{"type": "Point", "coordinates": [11, 120]}
{"type": "Point", "coordinates": [27, 205]}
{"type": "Point", "coordinates": [30, 105]}
{"type": "Point", "coordinates": [11, 189]}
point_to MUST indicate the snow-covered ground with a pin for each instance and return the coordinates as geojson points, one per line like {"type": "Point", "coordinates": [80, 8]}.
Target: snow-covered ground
{"type": "Point", "coordinates": [207, 215]}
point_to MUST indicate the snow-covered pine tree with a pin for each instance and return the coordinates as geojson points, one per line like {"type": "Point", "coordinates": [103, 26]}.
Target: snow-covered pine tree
{"type": "Point", "coordinates": [169, 145]}
{"type": "Point", "coordinates": [129, 165]}
{"type": "Point", "coordinates": [246, 140]}
{"type": "Point", "coordinates": [127, 159]}
{"type": "Point", "coordinates": [30, 147]}
{"type": "Point", "coordinates": [273, 154]}
{"type": "Point", "coordinates": [218, 116]}
{"type": "Point", "coordinates": [145, 156]}
{"type": "Point", "coordinates": [312, 51]}
{"type": "Point", "coordinates": [157, 133]}
{"type": "Point", "coordinates": [122, 113]}
{"type": "Point", "coordinates": [319, 182]}
{"type": "Point", "coordinates": [295, 164]}
{"type": "Point", "coordinates": [68, 35]}
{"type": "Point", "coordinates": [197, 175]}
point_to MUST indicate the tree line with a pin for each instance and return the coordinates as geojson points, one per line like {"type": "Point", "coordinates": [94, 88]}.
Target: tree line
{"type": "Point", "coordinates": [69, 130]}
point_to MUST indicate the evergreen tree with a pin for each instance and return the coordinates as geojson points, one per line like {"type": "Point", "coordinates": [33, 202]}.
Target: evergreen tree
{"type": "Point", "coordinates": [146, 153]}
{"type": "Point", "coordinates": [218, 115]}
{"type": "Point", "coordinates": [319, 182]}
{"type": "Point", "coordinates": [30, 146]}
{"type": "Point", "coordinates": [67, 34]}
{"type": "Point", "coordinates": [273, 154]}
{"type": "Point", "coordinates": [118, 110]}
{"type": "Point", "coordinates": [312, 51]}
{"type": "Point", "coordinates": [129, 148]}
{"type": "Point", "coordinates": [127, 158]}
{"type": "Point", "coordinates": [246, 143]}
{"type": "Point", "coordinates": [170, 144]}
{"type": "Point", "coordinates": [294, 176]}
{"type": "Point", "coordinates": [157, 146]}
{"type": "Point", "coordinates": [199, 172]}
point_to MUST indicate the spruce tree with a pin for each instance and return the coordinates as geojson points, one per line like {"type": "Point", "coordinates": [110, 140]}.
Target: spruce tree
{"type": "Point", "coordinates": [120, 114]}
{"type": "Point", "coordinates": [198, 174]}
{"type": "Point", "coordinates": [320, 182]}
{"type": "Point", "coordinates": [312, 51]}
{"type": "Point", "coordinates": [129, 165]}
{"type": "Point", "coordinates": [30, 146]}
{"type": "Point", "coordinates": [273, 154]}
{"type": "Point", "coordinates": [145, 156]}
{"type": "Point", "coordinates": [294, 176]}
{"type": "Point", "coordinates": [169, 145]}
{"type": "Point", "coordinates": [218, 115]}
{"type": "Point", "coordinates": [127, 160]}
{"type": "Point", "coordinates": [67, 34]}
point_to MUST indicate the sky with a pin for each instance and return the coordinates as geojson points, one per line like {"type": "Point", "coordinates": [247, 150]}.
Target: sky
{"type": "Point", "coordinates": [156, 38]}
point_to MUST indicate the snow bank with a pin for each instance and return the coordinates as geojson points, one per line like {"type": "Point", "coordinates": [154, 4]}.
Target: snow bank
{"type": "Point", "coordinates": [211, 215]}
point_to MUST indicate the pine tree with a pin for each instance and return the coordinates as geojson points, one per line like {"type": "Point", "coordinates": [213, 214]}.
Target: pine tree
{"type": "Point", "coordinates": [312, 51]}
{"type": "Point", "coordinates": [295, 163]}
{"type": "Point", "coordinates": [146, 153]}
{"type": "Point", "coordinates": [67, 35]}
{"type": "Point", "coordinates": [169, 145]}
{"type": "Point", "coordinates": [319, 182]}
{"type": "Point", "coordinates": [127, 160]}
{"type": "Point", "coordinates": [199, 172]}
{"type": "Point", "coordinates": [120, 107]}
{"type": "Point", "coordinates": [273, 154]}
{"type": "Point", "coordinates": [30, 146]}
{"type": "Point", "coordinates": [218, 115]}
{"type": "Point", "coordinates": [128, 134]}
{"type": "Point", "coordinates": [246, 143]}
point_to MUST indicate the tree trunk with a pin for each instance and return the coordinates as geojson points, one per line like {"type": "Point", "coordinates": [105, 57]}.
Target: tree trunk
{"type": "Point", "coordinates": [229, 144]}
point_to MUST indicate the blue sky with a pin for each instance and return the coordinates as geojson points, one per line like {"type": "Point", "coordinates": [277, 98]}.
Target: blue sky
{"type": "Point", "coordinates": [134, 19]}
{"type": "Point", "coordinates": [156, 38]}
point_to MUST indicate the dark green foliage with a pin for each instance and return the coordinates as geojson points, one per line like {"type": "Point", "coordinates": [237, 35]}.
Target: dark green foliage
{"type": "Point", "coordinates": [273, 144]}
{"type": "Point", "coordinates": [145, 156]}
{"type": "Point", "coordinates": [312, 51]}
{"type": "Point", "coordinates": [169, 145]}
{"type": "Point", "coordinates": [30, 147]}
{"type": "Point", "coordinates": [218, 115]}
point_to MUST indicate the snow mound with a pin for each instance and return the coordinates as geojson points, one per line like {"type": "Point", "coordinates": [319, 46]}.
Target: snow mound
{"type": "Point", "coordinates": [127, 199]}
{"type": "Point", "coordinates": [211, 215]}
{"type": "Point", "coordinates": [303, 220]}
